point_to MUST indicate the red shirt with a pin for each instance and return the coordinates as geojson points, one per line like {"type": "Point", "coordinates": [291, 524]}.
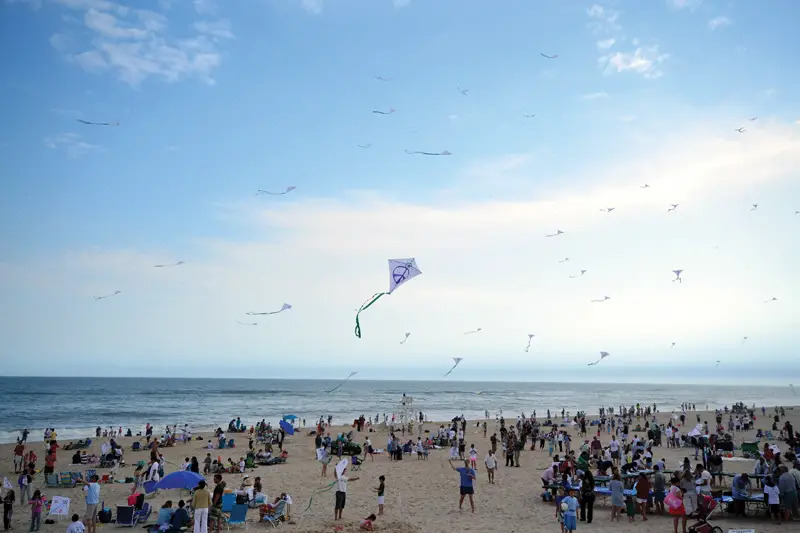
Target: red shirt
{"type": "Point", "coordinates": [19, 449]}
{"type": "Point", "coordinates": [50, 459]}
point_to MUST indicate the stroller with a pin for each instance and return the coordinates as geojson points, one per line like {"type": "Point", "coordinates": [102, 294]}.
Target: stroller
{"type": "Point", "coordinates": [705, 506]}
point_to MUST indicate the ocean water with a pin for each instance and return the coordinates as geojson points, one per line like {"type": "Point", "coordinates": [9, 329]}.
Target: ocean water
{"type": "Point", "coordinates": [75, 406]}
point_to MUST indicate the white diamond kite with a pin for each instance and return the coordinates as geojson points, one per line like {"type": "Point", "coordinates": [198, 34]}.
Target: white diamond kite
{"type": "Point", "coordinates": [404, 340]}
{"type": "Point", "coordinates": [603, 355]}
{"type": "Point", "coordinates": [530, 338]}
{"type": "Point", "coordinates": [284, 307]}
{"type": "Point", "coordinates": [343, 382]}
{"type": "Point", "coordinates": [400, 271]}
{"type": "Point", "coordinates": [456, 360]}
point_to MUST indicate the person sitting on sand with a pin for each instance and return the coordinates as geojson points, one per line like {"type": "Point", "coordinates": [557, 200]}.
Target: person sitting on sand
{"type": "Point", "coordinates": [366, 523]}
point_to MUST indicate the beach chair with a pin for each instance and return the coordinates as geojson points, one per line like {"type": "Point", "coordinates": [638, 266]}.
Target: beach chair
{"type": "Point", "coordinates": [65, 479]}
{"type": "Point", "coordinates": [250, 463]}
{"type": "Point", "coordinates": [230, 443]}
{"type": "Point", "coordinates": [51, 480]}
{"type": "Point", "coordinates": [356, 463]}
{"type": "Point", "coordinates": [105, 479]}
{"type": "Point", "coordinates": [228, 501]}
{"type": "Point", "coordinates": [276, 516]}
{"type": "Point", "coordinates": [238, 516]}
{"type": "Point", "coordinates": [136, 446]}
{"type": "Point", "coordinates": [126, 516]}
{"type": "Point", "coordinates": [142, 515]}
{"type": "Point", "coordinates": [90, 473]}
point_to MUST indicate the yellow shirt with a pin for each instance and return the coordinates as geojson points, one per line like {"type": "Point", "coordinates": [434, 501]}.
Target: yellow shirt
{"type": "Point", "coordinates": [202, 499]}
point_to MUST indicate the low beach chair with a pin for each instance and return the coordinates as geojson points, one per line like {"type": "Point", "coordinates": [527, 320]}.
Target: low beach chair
{"type": "Point", "coordinates": [228, 501]}
{"type": "Point", "coordinates": [90, 473]}
{"type": "Point", "coordinates": [250, 463]}
{"type": "Point", "coordinates": [125, 516]}
{"type": "Point", "coordinates": [65, 479]}
{"type": "Point", "coordinates": [136, 446]}
{"type": "Point", "coordinates": [142, 515]}
{"type": "Point", "coordinates": [238, 516]}
{"type": "Point", "coordinates": [356, 462]}
{"type": "Point", "coordinates": [51, 480]}
{"type": "Point", "coordinates": [275, 517]}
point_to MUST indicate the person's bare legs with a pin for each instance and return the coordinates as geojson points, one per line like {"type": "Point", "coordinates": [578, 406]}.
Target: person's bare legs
{"type": "Point", "coordinates": [471, 503]}
{"type": "Point", "coordinates": [460, 502]}
{"type": "Point", "coordinates": [643, 510]}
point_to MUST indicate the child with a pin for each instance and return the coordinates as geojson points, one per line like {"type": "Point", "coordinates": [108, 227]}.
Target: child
{"type": "Point", "coordinates": [473, 456]}
{"type": "Point", "coordinates": [207, 464]}
{"type": "Point", "coordinates": [772, 497]}
{"type": "Point", "coordinates": [76, 526]}
{"type": "Point", "coordinates": [630, 508]}
{"type": "Point", "coordinates": [366, 523]}
{"type": "Point", "coordinates": [571, 514]}
{"type": "Point", "coordinates": [380, 489]}
{"type": "Point", "coordinates": [36, 510]}
{"type": "Point", "coordinates": [550, 446]}
{"type": "Point", "coordinates": [559, 512]}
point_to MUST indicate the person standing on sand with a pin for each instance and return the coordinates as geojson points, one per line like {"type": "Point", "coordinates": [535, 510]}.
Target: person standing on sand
{"type": "Point", "coordinates": [201, 504]}
{"type": "Point", "coordinates": [92, 500]}
{"type": "Point", "coordinates": [491, 465]}
{"type": "Point", "coordinates": [467, 476]}
{"type": "Point", "coordinates": [341, 492]}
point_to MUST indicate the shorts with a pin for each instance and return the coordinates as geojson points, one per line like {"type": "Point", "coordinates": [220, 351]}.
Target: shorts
{"type": "Point", "coordinates": [658, 496]}
{"type": "Point", "coordinates": [690, 502]}
{"type": "Point", "coordinates": [774, 509]}
{"type": "Point", "coordinates": [48, 469]}
{"type": "Point", "coordinates": [380, 500]}
{"type": "Point", "coordinates": [341, 499]}
{"type": "Point", "coordinates": [467, 490]}
{"type": "Point", "coordinates": [570, 522]}
{"type": "Point", "coordinates": [91, 511]}
{"type": "Point", "coordinates": [615, 455]}
{"type": "Point", "coordinates": [641, 500]}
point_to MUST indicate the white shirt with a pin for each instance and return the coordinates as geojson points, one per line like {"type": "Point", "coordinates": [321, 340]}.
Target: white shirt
{"type": "Point", "coordinates": [76, 527]}
{"type": "Point", "coordinates": [341, 484]}
{"type": "Point", "coordinates": [154, 471]}
{"type": "Point", "coordinates": [473, 453]}
{"type": "Point", "coordinates": [704, 483]}
{"type": "Point", "coordinates": [614, 446]}
{"type": "Point", "coordinates": [490, 460]}
{"type": "Point", "coordinates": [773, 495]}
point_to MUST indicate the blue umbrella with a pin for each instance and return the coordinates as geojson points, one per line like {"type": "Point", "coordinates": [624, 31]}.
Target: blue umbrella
{"type": "Point", "coordinates": [177, 480]}
{"type": "Point", "coordinates": [290, 417]}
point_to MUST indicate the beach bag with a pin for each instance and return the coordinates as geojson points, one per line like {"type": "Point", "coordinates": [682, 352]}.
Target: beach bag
{"type": "Point", "coordinates": [104, 516]}
{"type": "Point", "coordinates": [547, 496]}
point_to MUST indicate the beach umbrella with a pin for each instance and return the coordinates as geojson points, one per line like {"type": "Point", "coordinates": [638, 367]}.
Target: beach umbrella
{"type": "Point", "coordinates": [290, 417]}
{"type": "Point", "coordinates": [178, 480]}
{"type": "Point", "coordinates": [287, 427]}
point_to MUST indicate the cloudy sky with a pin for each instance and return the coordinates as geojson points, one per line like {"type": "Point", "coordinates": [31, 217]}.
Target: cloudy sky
{"type": "Point", "coordinates": [219, 99]}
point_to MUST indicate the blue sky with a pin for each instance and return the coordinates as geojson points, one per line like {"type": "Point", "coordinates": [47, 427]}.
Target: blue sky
{"type": "Point", "coordinates": [217, 99]}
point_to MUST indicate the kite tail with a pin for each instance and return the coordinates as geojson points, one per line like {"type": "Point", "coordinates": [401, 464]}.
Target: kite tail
{"type": "Point", "coordinates": [364, 307]}
{"type": "Point", "coordinates": [326, 488]}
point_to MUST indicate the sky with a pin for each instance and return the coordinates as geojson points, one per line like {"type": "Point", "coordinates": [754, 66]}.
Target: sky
{"type": "Point", "coordinates": [219, 99]}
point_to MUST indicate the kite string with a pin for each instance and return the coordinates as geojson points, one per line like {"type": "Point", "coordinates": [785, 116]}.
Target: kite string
{"type": "Point", "coordinates": [365, 306]}
{"type": "Point", "coordinates": [326, 488]}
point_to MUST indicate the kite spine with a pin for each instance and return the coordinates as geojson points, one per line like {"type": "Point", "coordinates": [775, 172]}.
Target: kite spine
{"type": "Point", "coordinates": [365, 307]}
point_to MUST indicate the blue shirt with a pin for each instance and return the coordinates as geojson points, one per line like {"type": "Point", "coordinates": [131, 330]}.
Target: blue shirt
{"type": "Point", "coordinates": [572, 505]}
{"type": "Point", "coordinates": [465, 473]}
{"type": "Point", "coordinates": [92, 494]}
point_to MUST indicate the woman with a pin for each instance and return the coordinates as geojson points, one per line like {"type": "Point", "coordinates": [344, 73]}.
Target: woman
{"type": "Point", "coordinates": [674, 501]}
{"type": "Point", "coordinates": [587, 497]}
{"type": "Point", "coordinates": [689, 490]}
{"type": "Point", "coordinates": [195, 466]}
{"type": "Point", "coordinates": [617, 496]}
{"type": "Point", "coordinates": [165, 513]}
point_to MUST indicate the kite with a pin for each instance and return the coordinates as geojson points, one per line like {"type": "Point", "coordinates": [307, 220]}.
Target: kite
{"type": "Point", "coordinates": [556, 234]}
{"type": "Point", "coordinates": [343, 382]}
{"type": "Point", "coordinates": [97, 123]}
{"type": "Point", "coordinates": [580, 275]}
{"type": "Point", "coordinates": [529, 116]}
{"type": "Point", "coordinates": [288, 190]}
{"type": "Point", "coordinates": [457, 360]}
{"type": "Point", "coordinates": [170, 265]}
{"type": "Point", "coordinates": [677, 276]}
{"type": "Point", "coordinates": [755, 206]}
{"type": "Point", "coordinates": [530, 338]}
{"type": "Point", "coordinates": [445, 152]}
{"type": "Point", "coordinates": [284, 307]}
{"type": "Point", "coordinates": [603, 355]}
{"type": "Point", "coordinates": [381, 78]}
{"type": "Point", "coordinates": [107, 295]}
{"type": "Point", "coordinates": [603, 300]}
{"type": "Point", "coordinates": [673, 208]}
{"type": "Point", "coordinates": [247, 323]}
{"type": "Point", "coordinates": [473, 331]}
{"type": "Point", "coordinates": [773, 299]}
{"type": "Point", "coordinates": [744, 339]}
{"type": "Point", "coordinates": [404, 340]}
{"type": "Point", "coordinates": [364, 146]}
{"type": "Point", "coordinates": [797, 212]}
{"type": "Point", "coordinates": [463, 91]}
{"type": "Point", "coordinates": [400, 271]}
{"type": "Point", "coordinates": [391, 110]}
{"type": "Point", "coordinates": [717, 363]}
{"type": "Point", "coordinates": [564, 260]}
{"type": "Point", "coordinates": [547, 56]}
{"type": "Point", "coordinates": [752, 119]}
{"type": "Point", "coordinates": [645, 186]}
{"type": "Point", "coordinates": [608, 209]}
{"type": "Point", "coordinates": [673, 345]}
{"type": "Point", "coordinates": [740, 130]}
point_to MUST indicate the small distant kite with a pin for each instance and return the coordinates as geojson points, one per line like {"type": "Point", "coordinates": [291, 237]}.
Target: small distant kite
{"type": "Point", "coordinates": [247, 323]}
{"type": "Point", "coordinates": [607, 209]}
{"type": "Point", "coordinates": [673, 345]}
{"type": "Point", "coordinates": [381, 78]}
{"type": "Point", "coordinates": [97, 123]}
{"type": "Point", "coordinates": [677, 276]}
{"type": "Point", "coordinates": [564, 260]}
{"type": "Point", "coordinates": [457, 360]}
{"type": "Point", "coordinates": [579, 275]}
{"type": "Point", "coordinates": [717, 363]}
{"type": "Point", "coordinates": [377, 112]}
{"type": "Point", "coordinates": [473, 331]}
{"type": "Point", "coordinates": [107, 295]}
{"type": "Point", "coordinates": [284, 307]}
{"type": "Point", "coordinates": [170, 265]}
{"type": "Point", "coordinates": [673, 208]}
{"type": "Point", "coordinates": [410, 152]}
{"type": "Point", "coordinates": [463, 91]}
{"type": "Point", "coordinates": [744, 339]}
{"type": "Point", "coordinates": [556, 234]}
{"type": "Point", "coordinates": [364, 146]}
{"type": "Point", "coordinates": [603, 300]}
{"type": "Point", "coordinates": [530, 338]}
{"type": "Point", "coordinates": [288, 190]}
{"type": "Point", "coordinates": [400, 271]}
{"type": "Point", "coordinates": [645, 186]}
{"type": "Point", "coordinates": [755, 206]}
{"type": "Point", "coordinates": [603, 355]}
{"type": "Point", "coordinates": [343, 382]}
{"type": "Point", "coordinates": [752, 119]}
{"type": "Point", "coordinates": [404, 340]}
{"type": "Point", "coordinates": [740, 130]}
{"type": "Point", "coordinates": [547, 56]}
{"type": "Point", "coordinates": [773, 299]}
{"type": "Point", "coordinates": [529, 116]}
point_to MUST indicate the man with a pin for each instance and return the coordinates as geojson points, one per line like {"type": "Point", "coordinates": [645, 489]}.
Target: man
{"type": "Point", "coordinates": [788, 489]}
{"type": "Point", "coordinates": [216, 502]}
{"type": "Point", "coordinates": [642, 494]}
{"type": "Point", "coordinates": [201, 503]}
{"type": "Point", "coordinates": [19, 453]}
{"type": "Point", "coordinates": [740, 491]}
{"type": "Point", "coordinates": [702, 480]}
{"type": "Point", "coordinates": [659, 489]}
{"type": "Point", "coordinates": [92, 489]}
{"type": "Point", "coordinates": [341, 492]}
{"type": "Point", "coordinates": [467, 476]}
{"type": "Point", "coordinates": [491, 464]}
{"type": "Point", "coordinates": [50, 462]}
{"type": "Point", "coordinates": [493, 440]}
{"type": "Point", "coordinates": [614, 447]}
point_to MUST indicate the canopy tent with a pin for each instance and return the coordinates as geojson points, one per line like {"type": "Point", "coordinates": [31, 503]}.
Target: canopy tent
{"type": "Point", "coordinates": [176, 480]}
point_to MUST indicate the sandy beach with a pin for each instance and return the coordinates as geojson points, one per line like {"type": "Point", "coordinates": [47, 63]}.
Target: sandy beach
{"type": "Point", "coordinates": [420, 495]}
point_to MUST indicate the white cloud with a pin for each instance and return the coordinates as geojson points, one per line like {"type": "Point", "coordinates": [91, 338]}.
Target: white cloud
{"type": "Point", "coordinates": [399, 4]}
{"type": "Point", "coordinates": [135, 44]}
{"type": "Point", "coordinates": [718, 22]}
{"type": "Point", "coordinates": [595, 96]}
{"type": "Point", "coordinates": [205, 7]}
{"type": "Point", "coordinates": [312, 6]}
{"type": "Point", "coordinates": [643, 60]}
{"type": "Point", "coordinates": [604, 21]}
{"type": "Point", "coordinates": [71, 142]}
{"type": "Point", "coordinates": [605, 44]}
{"type": "Point", "coordinates": [596, 11]}
{"type": "Point", "coordinates": [684, 4]}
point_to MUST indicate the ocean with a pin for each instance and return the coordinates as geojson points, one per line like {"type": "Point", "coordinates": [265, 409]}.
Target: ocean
{"type": "Point", "coordinates": [76, 406]}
